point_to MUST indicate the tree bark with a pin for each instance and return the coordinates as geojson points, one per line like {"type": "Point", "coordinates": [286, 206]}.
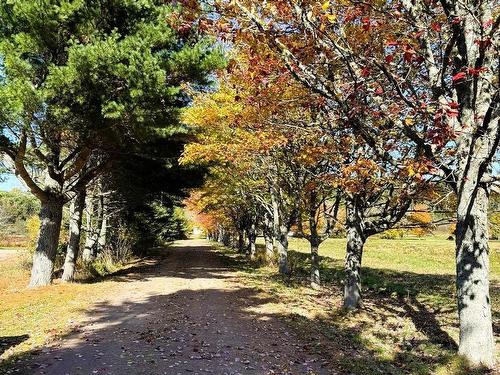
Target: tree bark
{"type": "Point", "coordinates": [75, 224]}
{"type": "Point", "coordinates": [280, 237]}
{"type": "Point", "coordinates": [92, 232]}
{"type": "Point", "coordinates": [103, 231]}
{"type": "Point", "coordinates": [472, 266]}
{"type": "Point", "coordinates": [46, 248]}
{"type": "Point", "coordinates": [269, 246]}
{"type": "Point", "coordinates": [241, 241]}
{"type": "Point", "coordinates": [282, 242]}
{"type": "Point", "coordinates": [354, 253]}
{"type": "Point", "coordinates": [315, 275]}
{"type": "Point", "coordinates": [252, 238]}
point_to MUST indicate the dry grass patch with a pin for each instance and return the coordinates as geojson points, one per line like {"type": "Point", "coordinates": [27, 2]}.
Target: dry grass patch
{"type": "Point", "coordinates": [31, 318]}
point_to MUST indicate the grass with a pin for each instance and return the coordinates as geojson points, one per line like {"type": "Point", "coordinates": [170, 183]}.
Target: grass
{"type": "Point", "coordinates": [408, 324]}
{"type": "Point", "coordinates": [31, 318]}
{"type": "Point", "coordinates": [429, 255]}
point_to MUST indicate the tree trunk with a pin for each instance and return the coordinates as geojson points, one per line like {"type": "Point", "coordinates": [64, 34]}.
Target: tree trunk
{"type": "Point", "coordinates": [75, 224]}
{"type": "Point", "coordinates": [48, 239]}
{"type": "Point", "coordinates": [241, 241]}
{"type": "Point", "coordinates": [269, 247]}
{"type": "Point", "coordinates": [268, 238]}
{"type": "Point", "coordinates": [103, 231]}
{"type": "Point", "coordinates": [282, 242]}
{"type": "Point", "coordinates": [280, 237]}
{"type": "Point", "coordinates": [90, 230]}
{"type": "Point", "coordinates": [315, 276]}
{"type": "Point", "coordinates": [472, 266]}
{"type": "Point", "coordinates": [220, 235]}
{"type": "Point", "coordinates": [252, 238]}
{"type": "Point", "coordinates": [354, 253]}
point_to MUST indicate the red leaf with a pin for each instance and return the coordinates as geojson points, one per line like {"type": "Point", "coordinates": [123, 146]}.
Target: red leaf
{"type": "Point", "coordinates": [458, 76]}
{"type": "Point", "coordinates": [366, 23]}
{"type": "Point", "coordinates": [488, 23]}
{"type": "Point", "coordinates": [436, 26]}
{"type": "Point", "coordinates": [408, 55]}
{"type": "Point", "coordinates": [389, 58]}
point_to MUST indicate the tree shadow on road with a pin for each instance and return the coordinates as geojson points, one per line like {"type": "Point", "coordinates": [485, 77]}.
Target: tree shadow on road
{"type": "Point", "coordinates": [235, 330]}
{"type": "Point", "coordinates": [7, 342]}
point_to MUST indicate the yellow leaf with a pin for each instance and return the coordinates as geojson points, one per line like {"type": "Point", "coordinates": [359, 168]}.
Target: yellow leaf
{"type": "Point", "coordinates": [331, 18]}
{"type": "Point", "coordinates": [409, 121]}
{"type": "Point", "coordinates": [326, 5]}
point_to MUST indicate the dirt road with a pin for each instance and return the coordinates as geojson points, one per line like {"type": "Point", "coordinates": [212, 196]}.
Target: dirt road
{"type": "Point", "coordinates": [186, 314]}
{"type": "Point", "coordinates": [8, 254]}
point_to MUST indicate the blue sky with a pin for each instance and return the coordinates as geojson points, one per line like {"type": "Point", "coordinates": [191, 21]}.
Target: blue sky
{"type": "Point", "coordinates": [10, 183]}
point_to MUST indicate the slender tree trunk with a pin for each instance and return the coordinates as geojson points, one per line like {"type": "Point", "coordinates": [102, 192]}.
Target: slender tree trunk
{"type": "Point", "coordinates": [315, 275]}
{"type": "Point", "coordinates": [241, 241]}
{"type": "Point", "coordinates": [282, 242]}
{"type": "Point", "coordinates": [103, 231]}
{"type": "Point", "coordinates": [46, 248]}
{"type": "Point", "coordinates": [226, 238]}
{"type": "Point", "coordinates": [472, 265]}
{"type": "Point", "coordinates": [91, 233]}
{"type": "Point", "coordinates": [314, 239]}
{"type": "Point", "coordinates": [252, 238]}
{"type": "Point", "coordinates": [220, 235]}
{"type": "Point", "coordinates": [280, 237]}
{"type": "Point", "coordinates": [75, 224]}
{"type": "Point", "coordinates": [354, 253]}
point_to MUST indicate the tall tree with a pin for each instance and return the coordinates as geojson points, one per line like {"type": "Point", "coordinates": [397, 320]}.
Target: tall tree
{"type": "Point", "coordinates": [83, 77]}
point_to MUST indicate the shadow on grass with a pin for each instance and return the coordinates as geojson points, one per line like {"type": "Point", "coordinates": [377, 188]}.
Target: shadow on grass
{"type": "Point", "coordinates": [423, 298]}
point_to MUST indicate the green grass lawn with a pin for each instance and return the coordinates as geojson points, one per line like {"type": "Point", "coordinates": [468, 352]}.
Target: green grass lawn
{"type": "Point", "coordinates": [429, 255]}
{"type": "Point", "coordinates": [408, 324]}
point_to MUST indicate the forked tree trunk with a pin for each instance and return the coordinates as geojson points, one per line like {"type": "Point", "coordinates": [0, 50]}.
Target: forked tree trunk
{"type": "Point", "coordinates": [354, 253]}
{"type": "Point", "coordinates": [315, 274]}
{"type": "Point", "coordinates": [472, 266]}
{"type": "Point", "coordinates": [48, 239]}
{"type": "Point", "coordinates": [75, 224]}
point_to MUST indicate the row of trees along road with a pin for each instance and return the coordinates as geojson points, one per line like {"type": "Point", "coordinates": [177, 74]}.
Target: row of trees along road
{"type": "Point", "coordinates": [392, 96]}
{"type": "Point", "coordinates": [83, 84]}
